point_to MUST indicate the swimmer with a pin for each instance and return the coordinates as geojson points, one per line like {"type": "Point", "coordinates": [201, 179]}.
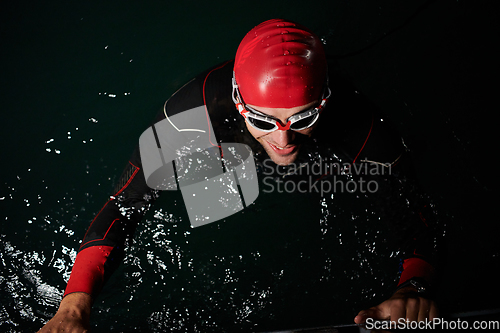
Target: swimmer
{"type": "Point", "coordinates": [277, 95]}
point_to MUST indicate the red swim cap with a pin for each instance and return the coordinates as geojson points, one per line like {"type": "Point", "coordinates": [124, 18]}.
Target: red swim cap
{"type": "Point", "coordinates": [280, 64]}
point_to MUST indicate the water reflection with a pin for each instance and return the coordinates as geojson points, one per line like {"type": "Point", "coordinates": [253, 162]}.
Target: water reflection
{"type": "Point", "coordinates": [240, 273]}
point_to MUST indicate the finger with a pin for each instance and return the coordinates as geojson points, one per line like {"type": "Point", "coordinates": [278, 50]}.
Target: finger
{"type": "Point", "coordinates": [412, 309]}
{"type": "Point", "coordinates": [434, 311]}
{"type": "Point", "coordinates": [375, 312]}
{"type": "Point", "coordinates": [361, 317]}
{"type": "Point", "coordinates": [424, 309]}
{"type": "Point", "coordinates": [398, 310]}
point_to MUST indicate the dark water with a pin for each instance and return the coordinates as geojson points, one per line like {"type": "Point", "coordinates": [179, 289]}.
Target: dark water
{"type": "Point", "coordinates": [82, 80]}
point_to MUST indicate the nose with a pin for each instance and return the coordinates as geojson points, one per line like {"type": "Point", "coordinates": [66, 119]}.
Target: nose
{"type": "Point", "coordinates": [283, 138]}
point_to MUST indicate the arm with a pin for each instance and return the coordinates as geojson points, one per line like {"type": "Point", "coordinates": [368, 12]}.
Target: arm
{"type": "Point", "coordinates": [411, 220]}
{"type": "Point", "coordinates": [102, 249]}
{"type": "Point", "coordinates": [414, 224]}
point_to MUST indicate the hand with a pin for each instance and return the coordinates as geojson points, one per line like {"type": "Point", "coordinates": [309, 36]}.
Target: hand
{"type": "Point", "coordinates": [405, 304]}
{"type": "Point", "coordinates": [72, 316]}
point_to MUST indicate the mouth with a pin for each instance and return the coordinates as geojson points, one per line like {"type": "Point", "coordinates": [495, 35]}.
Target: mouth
{"type": "Point", "coordinates": [282, 151]}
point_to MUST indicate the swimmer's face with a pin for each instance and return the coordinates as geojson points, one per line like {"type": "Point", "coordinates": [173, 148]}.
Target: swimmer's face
{"type": "Point", "coordinates": [282, 146]}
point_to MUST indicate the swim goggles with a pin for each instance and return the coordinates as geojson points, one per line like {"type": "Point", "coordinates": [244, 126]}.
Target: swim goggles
{"type": "Point", "coordinates": [266, 123]}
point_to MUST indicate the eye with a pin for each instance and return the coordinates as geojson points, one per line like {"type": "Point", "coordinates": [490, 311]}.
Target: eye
{"type": "Point", "coordinates": [264, 125]}
{"type": "Point", "coordinates": [304, 122]}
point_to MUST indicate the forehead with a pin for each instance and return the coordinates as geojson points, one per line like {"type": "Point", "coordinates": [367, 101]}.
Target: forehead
{"type": "Point", "coordinates": [284, 113]}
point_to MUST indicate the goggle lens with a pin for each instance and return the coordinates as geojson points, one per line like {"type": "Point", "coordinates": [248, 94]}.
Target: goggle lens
{"type": "Point", "coordinates": [261, 125]}
{"type": "Point", "coordinates": [304, 123]}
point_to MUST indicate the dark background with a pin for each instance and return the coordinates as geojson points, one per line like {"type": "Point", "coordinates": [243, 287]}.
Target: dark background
{"type": "Point", "coordinates": [80, 81]}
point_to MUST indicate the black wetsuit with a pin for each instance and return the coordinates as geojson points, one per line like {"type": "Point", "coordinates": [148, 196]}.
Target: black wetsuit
{"type": "Point", "coordinates": [349, 132]}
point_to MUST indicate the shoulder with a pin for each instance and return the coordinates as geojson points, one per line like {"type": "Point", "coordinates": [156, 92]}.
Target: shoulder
{"type": "Point", "coordinates": [356, 127]}
{"type": "Point", "coordinates": [202, 89]}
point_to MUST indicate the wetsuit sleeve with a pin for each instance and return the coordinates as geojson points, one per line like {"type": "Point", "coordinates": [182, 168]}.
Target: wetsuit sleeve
{"type": "Point", "coordinates": [103, 245]}
{"type": "Point", "coordinates": [408, 211]}
{"type": "Point", "coordinates": [102, 248]}
{"type": "Point", "coordinates": [364, 136]}
{"type": "Point", "coordinates": [414, 222]}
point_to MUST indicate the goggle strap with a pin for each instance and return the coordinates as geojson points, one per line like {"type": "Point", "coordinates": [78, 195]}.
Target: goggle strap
{"type": "Point", "coordinates": [241, 109]}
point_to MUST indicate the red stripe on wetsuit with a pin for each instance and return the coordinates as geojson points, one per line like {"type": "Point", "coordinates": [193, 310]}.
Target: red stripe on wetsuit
{"type": "Point", "coordinates": [417, 267]}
